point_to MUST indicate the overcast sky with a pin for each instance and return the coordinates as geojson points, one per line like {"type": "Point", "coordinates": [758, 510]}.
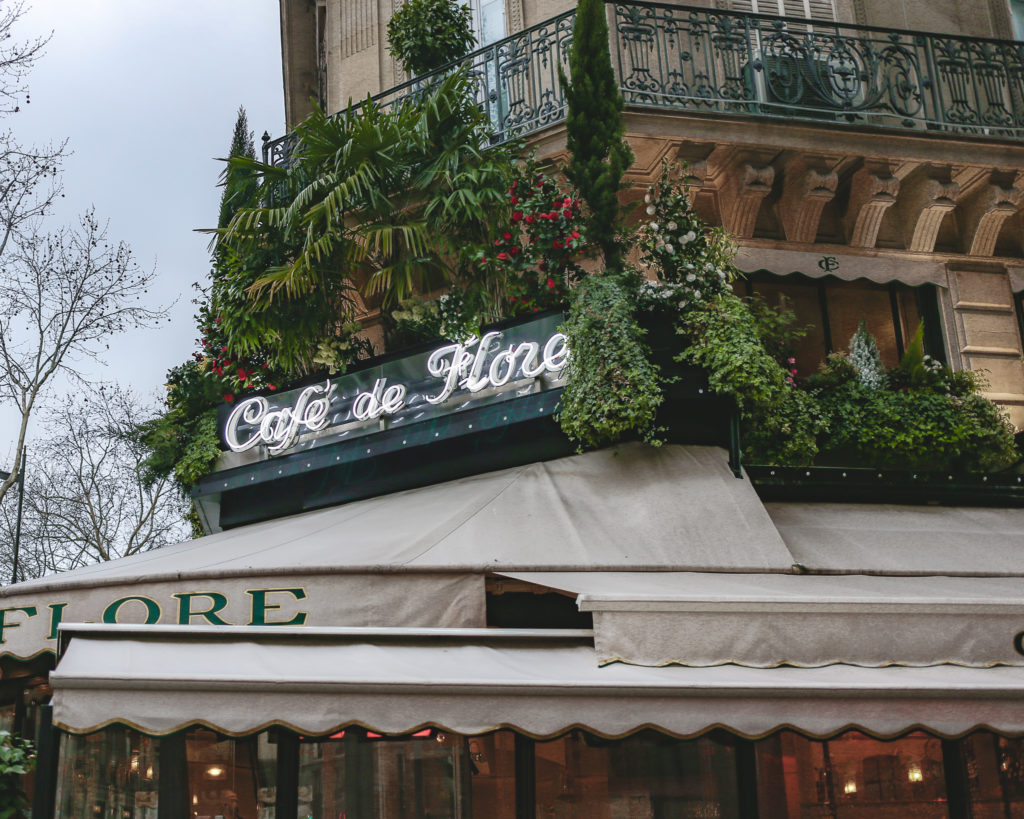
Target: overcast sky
{"type": "Point", "coordinates": [147, 93]}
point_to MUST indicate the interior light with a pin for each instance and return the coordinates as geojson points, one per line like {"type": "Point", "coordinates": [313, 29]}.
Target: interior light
{"type": "Point", "coordinates": [914, 774]}
{"type": "Point", "coordinates": [850, 786]}
{"type": "Point", "coordinates": [134, 764]}
{"type": "Point", "coordinates": [149, 772]}
{"type": "Point", "coordinates": [214, 772]}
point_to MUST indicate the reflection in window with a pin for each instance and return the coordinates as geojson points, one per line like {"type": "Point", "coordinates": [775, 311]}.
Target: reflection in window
{"type": "Point", "coordinates": [230, 778]}
{"type": "Point", "coordinates": [851, 776]}
{"type": "Point", "coordinates": [645, 775]}
{"type": "Point", "coordinates": [995, 774]}
{"type": "Point", "coordinates": [112, 773]}
{"type": "Point", "coordinates": [832, 309]}
{"type": "Point", "coordinates": [430, 775]}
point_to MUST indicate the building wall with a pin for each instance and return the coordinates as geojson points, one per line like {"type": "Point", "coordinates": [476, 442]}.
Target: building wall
{"type": "Point", "coordinates": [913, 205]}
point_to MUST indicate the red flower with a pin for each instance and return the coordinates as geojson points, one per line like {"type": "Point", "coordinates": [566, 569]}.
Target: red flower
{"type": "Point", "coordinates": [512, 298]}
{"type": "Point", "coordinates": [507, 236]}
{"type": "Point", "coordinates": [551, 284]}
{"type": "Point", "coordinates": [272, 388]}
{"type": "Point", "coordinates": [497, 242]}
{"type": "Point", "coordinates": [575, 234]}
{"type": "Point", "coordinates": [229, 397]}
{"type": "Point", "coordinates": [557, 244]}
{"type": "Point", "coordinates": [530, 220]}
{"type": "Point", "coordinates": [513, 250]}
{"type": "Point", "coordinates": [517, 215]}
{"type": "Point", "coordinates": [219, 318]}
{"type": "Point", "coordinates": [223, 349]}
{"type": "Point", "coordinates": [514, 200]}
{"type": "Point", "coordinates": [503, 256]}
{"type": "Point", "coordinates": [241, 374]}
{"type": "Point", "coordinates": [567, 213]}
{"type": "Point", "coordinates": [552, 215]}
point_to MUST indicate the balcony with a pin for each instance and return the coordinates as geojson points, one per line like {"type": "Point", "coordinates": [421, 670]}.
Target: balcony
{"type": "Point", "coordinates": [734, 64]}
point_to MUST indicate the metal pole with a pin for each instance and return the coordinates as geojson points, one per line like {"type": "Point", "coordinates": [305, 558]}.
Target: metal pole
{"type": "Point", "coordinates": [21, 503]}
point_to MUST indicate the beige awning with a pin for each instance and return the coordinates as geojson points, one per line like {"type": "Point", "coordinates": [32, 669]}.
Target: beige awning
{"type": "Point", "coordinates": [880, 268]}
{"type": "Point", "coordinates": [239, 681]}
{"type": "Point", "coordinates": [765, 620]}
{"type": "Point", "coordinates": [417, 558]}
{"type": "Point", "coordinates": [869, 538]}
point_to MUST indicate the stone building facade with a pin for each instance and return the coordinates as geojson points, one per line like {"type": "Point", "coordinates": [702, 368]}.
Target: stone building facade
{"type": "Point", "coordinates": [867, 155]}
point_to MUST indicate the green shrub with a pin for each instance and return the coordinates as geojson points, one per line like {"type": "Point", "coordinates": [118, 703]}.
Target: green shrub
{"type": "Point", "coordinates": [942, 423]}
{"type": "Point", "coordinates": [17, 758]}
{"type": "Point", "coordinates": [426, 34]}
{"type": "Point", "coordinates": [727, 338]}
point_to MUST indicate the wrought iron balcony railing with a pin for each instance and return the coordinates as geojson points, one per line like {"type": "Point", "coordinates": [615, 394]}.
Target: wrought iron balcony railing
{"type": "Point", "coordinates": [739, 64]}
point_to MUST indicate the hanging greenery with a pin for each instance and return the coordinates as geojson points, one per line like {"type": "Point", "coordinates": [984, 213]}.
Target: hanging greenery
{"type": "Point", "coordinates": [613, 387]}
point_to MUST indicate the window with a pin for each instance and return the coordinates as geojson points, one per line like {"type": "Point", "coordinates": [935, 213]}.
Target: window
{"type": "Point", "coordinates": [110, 773]}
{"type": "Point", "coordinates": [851, 776]}
{"type": "Point", "coordinates": [809, 9]}
{"type": "Point", "coordinates": [1017, 15]}
{"type": "Point", "coordinates": [832, 309]}
{"type": "Point", "coordinates": [488, 21]}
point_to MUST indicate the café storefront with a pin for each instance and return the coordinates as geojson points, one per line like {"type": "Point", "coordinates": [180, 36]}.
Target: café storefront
{"type": "Point", "coordinates": [422, 604]}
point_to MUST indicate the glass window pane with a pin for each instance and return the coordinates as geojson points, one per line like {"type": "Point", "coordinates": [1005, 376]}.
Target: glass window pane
{"type": "Point", "coordinates": [801, 296]}
{"type": "Point", "coordinates": [7, 717]}
{"type": "Point", "coordinates": [995, 775]}
{"type": "Point", "coordinates": [645, 775]}
{"type": "Point", "coordinates": [492, 21]}
{"type": "Point", "coordinates": [851, 777]}
{"type": "Point", "coordinates": [111, 774]}
{"type": "Point", "coordinates": [848, 303]}
{"type": "Point", "coordinates": [230, 778]}
{"type": "Point", "coordinates": [355, 773]}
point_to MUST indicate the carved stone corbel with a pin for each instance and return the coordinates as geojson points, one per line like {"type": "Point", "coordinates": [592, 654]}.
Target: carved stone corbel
{"type": "Point", "coordinates": [745, 188]}
{"type": "Point", "coordinates": [805, 192]}
{"type": "Point", "coordinates": [873, 191]}
{"type": "Point", "coordinates": [924, 203]}
{"type": "Point", "coordinates": [984, 216]}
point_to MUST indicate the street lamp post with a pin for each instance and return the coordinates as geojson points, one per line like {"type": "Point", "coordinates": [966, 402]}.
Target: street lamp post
{"type": "Point", "coordinates": [21, 502]}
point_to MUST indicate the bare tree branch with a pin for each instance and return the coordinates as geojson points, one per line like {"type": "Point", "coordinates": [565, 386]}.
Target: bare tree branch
{"type": "Point", "coordinates": [85, 500]}
{"type": "Point", "coordinates": [62, 295]}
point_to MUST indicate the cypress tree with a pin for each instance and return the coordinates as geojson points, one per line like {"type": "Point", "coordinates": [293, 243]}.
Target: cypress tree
{"type": "Point", "coordinates": [238, 183]}
{"type": "Point", "coordinates": [594, 128]}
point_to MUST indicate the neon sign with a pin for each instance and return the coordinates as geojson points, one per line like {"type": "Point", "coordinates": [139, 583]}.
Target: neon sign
{"type": "Point", "coordinates": [498, 365]}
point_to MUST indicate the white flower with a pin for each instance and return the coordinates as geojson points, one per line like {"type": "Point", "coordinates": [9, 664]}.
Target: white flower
{"type": "Point", "coordinates": [651, 210]}
{"type": "Point", "coordinates": [669, 249]}
{"type": "Point", "coordinates": [655, 227]}
{"type": "Point", "coordinates": [672, 226]}
{"type": "Point", "coordinates": [690, 236]}
{"type": "Point", "coordinates": [691, 278]}
{"type": "Point", "coordinates": [647, 198]}
{"type": "Point", "coordinates": [696, 294]}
